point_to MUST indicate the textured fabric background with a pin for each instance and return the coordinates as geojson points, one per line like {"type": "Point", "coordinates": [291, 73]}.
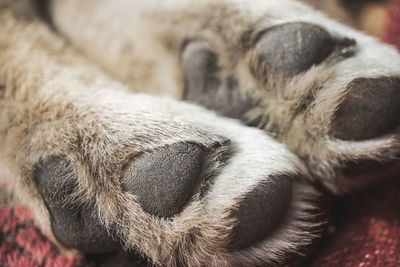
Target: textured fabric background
{"type": "Point", "coordinates": [392, 32]}
{"type": "Point", "coordinates": [365, 229]}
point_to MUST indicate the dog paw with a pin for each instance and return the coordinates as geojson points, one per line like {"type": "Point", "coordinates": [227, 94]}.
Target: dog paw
{"type": "Point", "coordinates": [186, 191]}
{"type": "Point", "coordinates": [328, 92]}
{"type": "Point", "coordinates": [106, 170]}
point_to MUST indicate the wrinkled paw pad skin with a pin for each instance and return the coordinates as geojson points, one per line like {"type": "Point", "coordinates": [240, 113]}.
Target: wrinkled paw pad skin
{"type": "Point", "coordinates": [293, 48]}
{"type": "Point", "coordinates": [164, 179]}
{"type": "Point", "coordinates": [369, 109]}
{"type": "Point", "coordinates": [261, 211]}
{"type": "Point", "coordinates": [73, 225]}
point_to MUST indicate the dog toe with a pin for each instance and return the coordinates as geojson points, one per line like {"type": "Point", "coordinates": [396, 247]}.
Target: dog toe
{"type": "Point", "coordinates": [292, 48]}
{"type": "Point", "coordinates": [261, 211]}
{"type": "Point", "coordinates": [164, 179]}
{"type": "Point", "coordinates": [370, 109]}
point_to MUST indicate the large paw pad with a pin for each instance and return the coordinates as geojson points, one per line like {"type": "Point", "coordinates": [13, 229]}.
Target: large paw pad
{"type": "Point", "coordinates": [289, 49]}
{"type": "Point", "coordinates": [261, 211]}
{"type": "Point", "coordinates": [370, 108]}
{"type": "Point", "coordinates": [164, 179]}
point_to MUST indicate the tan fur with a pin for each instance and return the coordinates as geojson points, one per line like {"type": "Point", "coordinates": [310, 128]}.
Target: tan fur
{"type": "Point", "coordinates": [86, 103]}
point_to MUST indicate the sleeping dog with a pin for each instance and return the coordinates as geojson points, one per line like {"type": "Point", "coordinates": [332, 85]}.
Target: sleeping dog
{"type": "Point", "coordinates": [96, 139]}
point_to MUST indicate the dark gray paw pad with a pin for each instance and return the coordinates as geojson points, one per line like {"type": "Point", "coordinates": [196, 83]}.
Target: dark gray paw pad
{"type": "Point", "coordinates": [74, 226]}
{"type": "Point", "coordinates": [164, 179]}
{"type": "Point", "coordinates": [261, 211]}
{"type": "Point", "coordinates": [370, 108]}
{"type": "Point", "coordinates": [292, 48]}
{"type": "Point", "coordinates": [205, 86]}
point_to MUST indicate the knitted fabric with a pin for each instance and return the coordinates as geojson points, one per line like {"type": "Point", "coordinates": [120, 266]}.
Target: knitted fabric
{"type": "Point", "coordinates": [23, 245]}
